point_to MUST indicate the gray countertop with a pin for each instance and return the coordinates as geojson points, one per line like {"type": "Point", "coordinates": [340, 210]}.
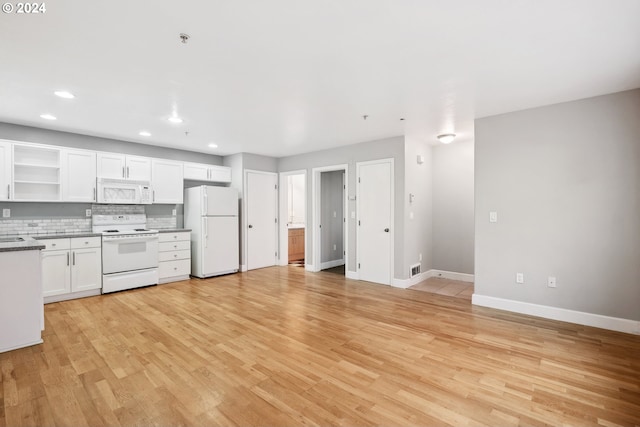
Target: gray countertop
{"type": "Point", "coordinates": [173, 230]}
{"type": "Point", "coordinates": [26, 243]}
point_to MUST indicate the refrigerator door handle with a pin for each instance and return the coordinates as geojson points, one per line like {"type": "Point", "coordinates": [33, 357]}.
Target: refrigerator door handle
{"type": "Point", "coordinates": [206, 231]}
{"type": "Point", "coordinates": [205, 202]}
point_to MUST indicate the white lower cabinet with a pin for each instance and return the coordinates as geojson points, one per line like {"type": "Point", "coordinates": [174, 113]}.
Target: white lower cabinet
{"type": "Point", "coordinates": [71, 268]}
{"type": "Point", "coordinates": [174, 256]}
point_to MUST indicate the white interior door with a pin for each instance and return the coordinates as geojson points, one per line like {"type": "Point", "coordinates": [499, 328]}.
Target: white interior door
{"type": "Point", "coordinates": [375, 217]}
{"type": "Point", "coordinates": [261, 223]}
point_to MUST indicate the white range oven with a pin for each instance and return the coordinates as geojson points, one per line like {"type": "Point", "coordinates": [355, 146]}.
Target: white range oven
{"type": "Point", "coordinates": [129, 252]}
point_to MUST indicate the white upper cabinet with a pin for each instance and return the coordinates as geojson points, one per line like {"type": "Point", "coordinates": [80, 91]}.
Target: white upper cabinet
{"type": "Point", "coordinates": [5, 170]}
{"type": "Point", "coordinates": [120, 166]}
{"type": "Point", "coordinates": [167, 181]}
{"type": "Point", "coordinates": [36, 173]}
{"type": "Point", "coordinates": [78, 175]}
{"type": "Point", "coordinates": [202, 172]}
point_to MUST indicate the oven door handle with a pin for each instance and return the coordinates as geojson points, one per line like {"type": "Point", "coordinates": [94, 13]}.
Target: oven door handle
{"type": "Point", "coordinates": [129, 239]}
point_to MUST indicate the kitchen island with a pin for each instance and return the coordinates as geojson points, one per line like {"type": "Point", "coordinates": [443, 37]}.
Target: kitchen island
{"type": "Point", "coordinates": [21, 307]}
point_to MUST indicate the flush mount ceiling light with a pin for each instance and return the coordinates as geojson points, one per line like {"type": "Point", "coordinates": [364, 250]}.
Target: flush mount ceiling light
{"type": "Point", "coordinates": [48, 116]}
{"type": "Point", "coordinates": [446, 138]}
{"type": "Point", "coordinates": [144, 133]}
{"type": "Point", "coordinates": [64, 94]}
{"type": "Point", "coordinates": [175, 119]}
{"type": "Point", "coordinates": [212, 145]}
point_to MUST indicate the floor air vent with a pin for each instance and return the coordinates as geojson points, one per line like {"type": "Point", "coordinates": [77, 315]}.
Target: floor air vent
{"type": "Point", "coordinates": [415, 270]}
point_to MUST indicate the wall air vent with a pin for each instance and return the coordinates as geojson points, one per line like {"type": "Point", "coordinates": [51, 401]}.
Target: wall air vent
{"type": "Point", "coordinates": [415, 270]}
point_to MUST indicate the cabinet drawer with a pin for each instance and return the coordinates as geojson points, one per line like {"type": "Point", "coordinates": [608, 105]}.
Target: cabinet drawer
{"type": "Point", "coordinates": [55, 244]}
{"type": "Point", "coordinates": [173, 255]}
{"type": "Point", "coordinates": [180, 267]}
{"type": "Point", "coordinates": [86, 242]}
{"type": "Point", "coordinates": [179, 245]}
{"type": "Point", "coordinates": [174, 237]}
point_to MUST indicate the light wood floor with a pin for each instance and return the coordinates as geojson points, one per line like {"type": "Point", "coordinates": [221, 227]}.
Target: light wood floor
{"type": "Point", "coordinates": [279, 346]}
{"type": "Point", "coordinates": [448, 287]}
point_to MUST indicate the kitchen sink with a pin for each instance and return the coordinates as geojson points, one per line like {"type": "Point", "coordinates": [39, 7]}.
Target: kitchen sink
{"type": "Point", "coordinates": [11, 239]}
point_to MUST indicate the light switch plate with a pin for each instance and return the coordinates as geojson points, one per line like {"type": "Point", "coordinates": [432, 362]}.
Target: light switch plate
{"type": "Point", "coordinates": [551, 282]}
{"type": "Point", "coordinates": [87, 213]}
{"type": "Point", "coordinates": [493, 216]}
{"type": "Point", "coordinates": [173, 212]}
{"type": "Point", "coordinates": [6, 213]}
{"type": "Point", "coordinates": [519, 277]}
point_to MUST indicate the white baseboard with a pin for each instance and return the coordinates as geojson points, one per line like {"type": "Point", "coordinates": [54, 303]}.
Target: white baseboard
{"type": "Point", "coordinates": [406, 283]}
{"type": "Point", "coordinates": [331, 264]}
{"type": "Point", "coordinates": [452, 275]}
{"type": "Point", "coordinates": [562, 314]}
{"type": "Point", "coordinates": [243, 268]}
{"type": "Point", "coordinates": [353, 275]}
{"type": "Point", "coordinates": [310, 267]}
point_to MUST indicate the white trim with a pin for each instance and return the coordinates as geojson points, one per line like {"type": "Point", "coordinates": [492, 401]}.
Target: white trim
{"type": "Point", "coordinates": [464, 277]}
{"type": "Point", "coordinates": [353, 275]}
{"type": "Point", "coordinates": [283, 230]}
{"type": "Point", "coordinates": [561, 314]}
{"type": "Point", "coordinates": [74, 295]}
{"type": "Point", "coordinates": [406, 283]}
{"type": "Point", "coordinates": [172, 279]}
{"type": "Point", "coordinates": [392, 216]}
{"type": "Point", "coordinates": [316, 214]}
{"type": "Point", "coordinates": [243, 268]}
{"type": "Point", "coordinates": [245, 204]}
{"type": "Point", "coordinates": [310, 267]}
{"type": "Point", "coordinates": [331, 264]}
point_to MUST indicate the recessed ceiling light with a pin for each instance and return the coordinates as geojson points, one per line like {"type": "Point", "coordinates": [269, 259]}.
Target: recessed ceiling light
{"type": "Point", "coordinates": [48, 116]}
{"type": "Point", "coordinates": [175, 119]}
{"type": "Point", "coordinates": [446, 138]}
{"type": "Point", "coordinates": [212, 145]}
{"type": "Point", "coordinates": [64, 94]}
{"type": "Point", "coordinates": [144, 133]}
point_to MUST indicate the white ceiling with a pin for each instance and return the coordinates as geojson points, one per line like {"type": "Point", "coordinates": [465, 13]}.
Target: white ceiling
{"type": "Point", "coordinates": [282, 77]}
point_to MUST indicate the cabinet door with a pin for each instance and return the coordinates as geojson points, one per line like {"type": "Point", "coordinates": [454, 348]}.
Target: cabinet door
{"type": "Point", "coordinates": [167, 182]}
{"type": "Point", "coordinates": [111, 165]}
{"type": "Point", "coordinates": [138, 168]}
{"type": "Point", "coordinates": [196, 171]}
{"type": "Point", "coordinates": [78, 176]}
{"type": "Point", "coordinates": [56, 273]}
{"type": "Point", "coordinates": [5, 169]}
{"type": "Point", "coordinates": [220, 174]}
{"type": "Point", "coordinates": [86, 269]}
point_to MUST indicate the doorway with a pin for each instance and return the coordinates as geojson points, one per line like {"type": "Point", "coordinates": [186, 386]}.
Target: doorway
{"type": "Point", "coordinates": [293, 218]}
{"type": "Point", "coordinates": [332, 220]}
{"type": "Point", "coordinates": [328, 230]}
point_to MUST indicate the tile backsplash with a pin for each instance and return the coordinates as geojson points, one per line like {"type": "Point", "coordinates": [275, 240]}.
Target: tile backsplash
{"type": "Point", "coordinates": [45, 226]}
{"type": "Point", "coordinates": [69, 220]}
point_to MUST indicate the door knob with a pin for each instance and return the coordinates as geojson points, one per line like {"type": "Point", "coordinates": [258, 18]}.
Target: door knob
{"type": "Point", "coordinates": [250, 226]}
{"type": "Point", "coordinates": [386, 230]}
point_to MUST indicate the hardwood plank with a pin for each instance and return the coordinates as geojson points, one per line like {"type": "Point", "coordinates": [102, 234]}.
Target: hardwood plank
{"type": "Point", "coordinates": [280, 346]}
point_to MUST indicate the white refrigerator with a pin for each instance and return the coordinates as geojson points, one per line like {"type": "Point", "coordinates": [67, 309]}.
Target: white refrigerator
{"type": "Point", "coordinates": [212, 215]}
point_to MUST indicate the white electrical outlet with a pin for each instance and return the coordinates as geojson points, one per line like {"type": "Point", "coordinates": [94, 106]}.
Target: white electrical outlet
{"type": "Point", "coordinates": [6, 213]}
{"type": "Point", "coordinates": [87, 213]}
{"type": "Point", "coordinates": [493, 216]}
{"type": "Point", "coordinates": [353, 215]}
{"type": "Point", "coordinates": [334, 247]}
{"type": "Point", "coordinates": [334, 214]}
{"type": "Point", "coordinates": [173, 212]}
{"type": "Point", "coordinates": [410, 215]}
{"type": "Point", "coordinates": [551, 282]}
{"type": "Point", "coordinates": [420, 257]}
{"type": "Point", "coordinates": [519, 277]}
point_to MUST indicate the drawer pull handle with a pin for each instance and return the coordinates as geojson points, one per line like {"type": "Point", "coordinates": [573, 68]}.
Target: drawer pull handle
{"type": "Point", "coordinates": [53, 244]}
{"type": "Point", "coordinates": [175, 255]}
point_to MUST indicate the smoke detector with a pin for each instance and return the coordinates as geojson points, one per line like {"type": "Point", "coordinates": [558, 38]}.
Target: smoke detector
{"type": "Point", "coordinates": [184, 37]}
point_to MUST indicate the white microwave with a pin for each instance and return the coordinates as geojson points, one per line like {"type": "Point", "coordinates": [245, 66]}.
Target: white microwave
{"type": "Point", "coordinates": [122, 192]}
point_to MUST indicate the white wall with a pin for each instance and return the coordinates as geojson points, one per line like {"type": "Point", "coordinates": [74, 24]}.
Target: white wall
{"type": "Point", "coordinates": [453, 207]}
{"type": "Point", "coordinates": [417, 229]}
{"type": "Point", "coordinates": [565, 181]}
